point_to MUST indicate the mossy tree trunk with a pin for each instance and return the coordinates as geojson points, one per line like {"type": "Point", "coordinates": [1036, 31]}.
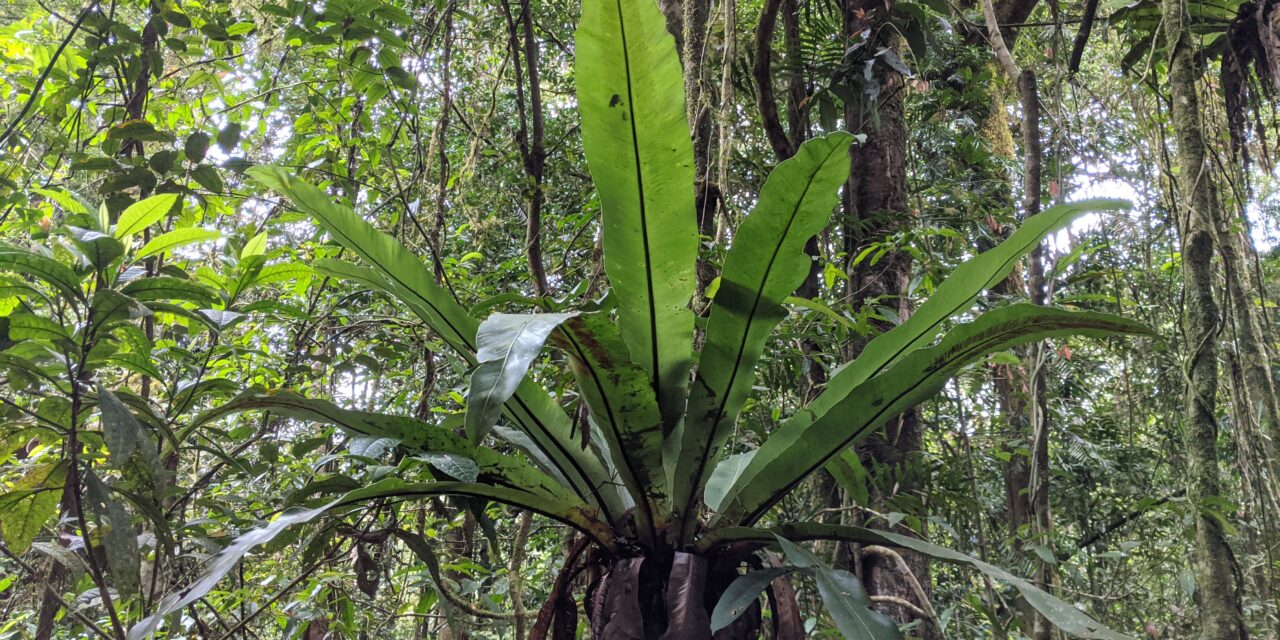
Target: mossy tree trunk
{"type": "Point", "coordinates": [1217, 577]}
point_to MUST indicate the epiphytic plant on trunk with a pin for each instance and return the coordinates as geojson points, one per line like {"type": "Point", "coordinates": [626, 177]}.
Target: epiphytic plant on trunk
{"type": "Point", "coordinates": [669, 519]}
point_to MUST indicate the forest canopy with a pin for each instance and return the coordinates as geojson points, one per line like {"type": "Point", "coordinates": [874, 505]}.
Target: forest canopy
{"type": "Point", "coordinates": [639, 319]}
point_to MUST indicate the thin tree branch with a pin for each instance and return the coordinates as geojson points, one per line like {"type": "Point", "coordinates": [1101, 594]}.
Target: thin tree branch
{"type": "Point", "coordinates": [44, 75]}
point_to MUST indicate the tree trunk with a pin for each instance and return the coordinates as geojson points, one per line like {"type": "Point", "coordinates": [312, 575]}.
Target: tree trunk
{"type": "Point", "coordinates": [1217, 576]}
{"type": "Point", "coordinates": [875, 207]}
{"type": "Point", "coordinates": [1255, 358]}
{"type": "Point", "coordinates": [1256, 400]}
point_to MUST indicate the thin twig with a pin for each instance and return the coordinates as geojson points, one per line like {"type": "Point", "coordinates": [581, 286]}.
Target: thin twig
{"type": "Point", "coordinates": [49, 588]}
{"type": "Point", "coordinates": [44, 75]}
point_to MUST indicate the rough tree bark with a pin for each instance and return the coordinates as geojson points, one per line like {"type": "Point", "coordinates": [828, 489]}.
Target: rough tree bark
{"type": "Point", "coordinates": [1217, 576]}
{"type": "Point", "coordinates": [874, 207]}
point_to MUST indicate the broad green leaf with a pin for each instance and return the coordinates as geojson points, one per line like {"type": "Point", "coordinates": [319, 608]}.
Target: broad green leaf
{"type": "Point", "coordinates": [167, 242]}
{"type": "Point", "coordinates": [403, 270]}
{"type": "Point", "coordinates": [43, 369]}
{"type": "Point", "coordinates": [181, 311]}
{"type": "Point", "coordinates": [196, 146]}
{"type": "Point", "coordinates": [636, 141]}
{"type": "Point", "coordinates": [566, 510]}
{"type": "Point", "coordinates": [217, 387]}
{"type": "Point", "coordinates": [256, 246]}
{"type": "Point", "coordinates": [30, 503]}
{"type": "Point", "coordinates": [622, 404]}
{"type": "Point", "coordinates": [523, 442]}
{"type": "Point", "coordinates": [207, 176]}
{"type": "Point", "coordinates": [67, 200]}
{"type": "Point", "coordinates": [507, 344]}
{"type": "Point", "coordinates": [248, 269]}
{"type": "Point", "coordinates": [104, 217]}
{"type": "Point", "coordinates": [126, 438]}
{"type": "Point", "coordinates": [327, 484]}
{"type": "Point", "coordinates": [138, 363]}
{"type": "Point", "coordinates": [95, 164]}
{"type": "Point", "coordinates": [98, 247]}
{"type": "Point", "coordinates": [137, 130]}
{"type": "Point", "coordinates": [18, 288]}
{"type": "Point", "coordinates": [110, 306]}
{"type": "Point", "coordinates": [370, 446]}
{"type": "Point", "coordinates": [221, 318]}
{"type": "Point", "coordinates": [143, 214]}
{"type": "Point", "coordinates": [120, 429]}
{"type": "Point", "coordinates": [531, 408]}
{"type": "Point", "coordinates": [229, 137]}
{"type": "Point", "coordinates": [63, 556]}
{"type": "Point", "coordinates": [765, 265]}
{"type": "Point", "coordinates": [120, 542]}
{"type": "Point", "coordinates": [170, 288]}
{"type": "Point", "coordinates": [956, 294]}
{"type": "Point", "coordinates": [282, 272]}
{"type": "Point", "coordinates": [742, 593]}
{"type": "Point", "coordinates": [402, 78]}
{"type": "Point", "coordinates": [161, 162]}
{"type": "Point", "coordinates": [25, 326]}
{"type": "Point", "coordinates": [143, 409]}
{"type": "Point", "coordinates": [844, 596]}
{"type": "Point", "coordinates": [808, 439]}
{"type": "Point", "coordinates": [453, 465]}
{"type": "Point", "coordinates": [1061, 614]}
{"type": "Point", "coordinates": [60, 276]}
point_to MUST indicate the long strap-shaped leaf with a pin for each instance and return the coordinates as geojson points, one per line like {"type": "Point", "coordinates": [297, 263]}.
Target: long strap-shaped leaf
{"type": "Point", "coordinates": [373, 279]}
{"type": "Point", "coordinates": [807, 440]}
{"type": "Point", "coordinates": [624, 407]}
{"type": "Point", "coordinates": [397, 264]}
{"type": "Point", "coordinates": [637, 144]}
{"type": "Point", "coordinates": [1061, 614]}
{"type": "Point", "coordinates": [411, 433]}
{"type": "Point", "coordinates": [844, 596]}
{"type": "Point", "coordinates": [47, 269]}
{"type": "Point", "coordinates": [953, 296]}
{"type": "Point", "coordinates": [571, 512]}
{"type": "Point", "coordinates": [535, 412]}
{"type": "Point", "coordinates": [575, 514]}
{"type": "Point", "coordinates": [765, 265]}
